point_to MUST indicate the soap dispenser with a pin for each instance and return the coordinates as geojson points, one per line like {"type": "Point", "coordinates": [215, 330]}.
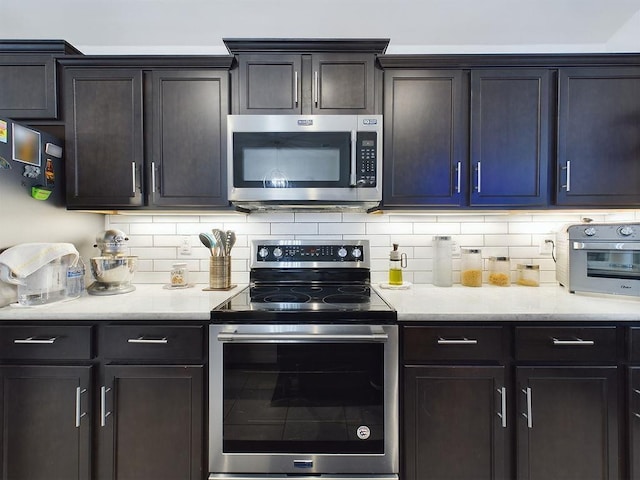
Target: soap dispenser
{"type": "Point", "coordinates": [397, 261]}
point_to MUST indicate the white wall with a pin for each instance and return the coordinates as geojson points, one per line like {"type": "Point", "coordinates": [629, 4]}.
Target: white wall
{"type": "Point", "coordinates": [156, 238]}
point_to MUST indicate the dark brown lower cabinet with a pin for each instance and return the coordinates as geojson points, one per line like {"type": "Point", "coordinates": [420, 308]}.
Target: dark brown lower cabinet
{"type": "Point", "coordinates": [455, 423]}
{"type": "Point", "coordinates": [45, 424]}
{"type": "Point", "coordinates": [151, 423]}
{"type": "Point", "coordinates": [567, 427]}
{"type": "Point", "coordinates": [634, 423]}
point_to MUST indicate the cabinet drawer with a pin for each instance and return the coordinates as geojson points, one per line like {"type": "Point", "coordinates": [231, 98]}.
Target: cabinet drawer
{"type": "Point", "coordinates": [51, 343]}
{"type": "Point", "coordinates": [423, 344]}
{"type": "Point", "coordinates": [581, 344]}
{"type": "Point", "coordinates": [142, 342]}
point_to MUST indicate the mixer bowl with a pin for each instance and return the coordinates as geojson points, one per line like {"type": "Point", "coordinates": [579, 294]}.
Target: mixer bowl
{"type": "Point", "coordinates": [113, 271]}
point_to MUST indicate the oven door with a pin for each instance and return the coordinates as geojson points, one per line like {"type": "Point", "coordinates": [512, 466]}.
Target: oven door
{"type": "Point", "coordinates": [303, 399]}
{"type": "Point", "coordinates": [605, 267]}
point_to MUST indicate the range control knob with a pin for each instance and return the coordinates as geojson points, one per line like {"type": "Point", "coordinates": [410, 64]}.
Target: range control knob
{"type": "Point", "coordinates": [590, 231]}
{"type": "Point", "coordinates": [342, 252]}
{"type": "Point", "coordinates": [263, 252]}
{"type": "Point", "coordinates": [626, 230]}
{"type": "Point", "coordinates": [277, 252]}
{"type": "Point", "coordinates": [356, 253]}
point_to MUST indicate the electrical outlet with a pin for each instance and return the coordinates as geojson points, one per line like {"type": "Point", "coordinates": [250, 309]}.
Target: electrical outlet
{"type": "Point", "coordinates": [185, 246]}
{"type": "Point", "coordinates": [546, 246]}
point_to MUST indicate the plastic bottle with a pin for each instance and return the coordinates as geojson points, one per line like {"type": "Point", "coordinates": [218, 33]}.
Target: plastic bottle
{"type": "Point", "coordinates": [397, 261]}
{"type": "Point", "coordinates": [442, 261]}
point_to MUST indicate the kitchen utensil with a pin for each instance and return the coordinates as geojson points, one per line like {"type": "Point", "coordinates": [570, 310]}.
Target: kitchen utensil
{"type": "Point", "coordinates": [113, 270]}
{"type": "Point", "coordinates": [221, 241]}
{"type": "Point", "coordinates": [230, 241]}
{"type": "Point", "coordinates": [208, 241]}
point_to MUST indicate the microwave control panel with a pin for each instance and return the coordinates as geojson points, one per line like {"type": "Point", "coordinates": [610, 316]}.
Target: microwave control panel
{"type": "Point", "coordinates": [366, 159]}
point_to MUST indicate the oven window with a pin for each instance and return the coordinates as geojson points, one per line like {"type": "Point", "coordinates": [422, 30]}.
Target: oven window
{"type": "Point", "coordinates": [292, 159]}
{"type": "Point", "coordinates": [614, 264]}
{"type": "Point", "coordinates": [303, 398]}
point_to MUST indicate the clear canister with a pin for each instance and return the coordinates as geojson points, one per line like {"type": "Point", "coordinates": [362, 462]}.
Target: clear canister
{"type": "Point", "coordinates": [471, 267]}
{"type": "Point", "coordinates": [179, 275]}
{"type": "Point", "coordinates": [442, 261]}
{"type": "Point", "coordinates": [529, 275]}
{"type": "Point", "coordinates": [499, 271]}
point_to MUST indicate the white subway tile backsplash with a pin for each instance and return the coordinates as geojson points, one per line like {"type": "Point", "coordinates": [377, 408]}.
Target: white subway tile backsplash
{"type": "Point", "coordinates": [156, 238]}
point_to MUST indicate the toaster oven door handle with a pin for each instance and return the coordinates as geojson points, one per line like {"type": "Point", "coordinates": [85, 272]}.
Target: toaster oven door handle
{"type": "Point", "coordinates": [300, 337]}
{"type": "Point", "coordinates": [606, 246]}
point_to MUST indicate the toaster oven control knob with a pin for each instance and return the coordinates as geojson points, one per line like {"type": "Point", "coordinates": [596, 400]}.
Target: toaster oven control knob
{"type": "Point", "coordinates": [263, 252]}
{"type": "Point", "coordinates": [342, 252]}
{"type": "Point", "coordinates": [626, 230]}
{"type": "Point", "coordinates": [590, 231]}
{"type": "Point", "coordinates": [356, 253]}
{"type": "Point", "coordinates": [277, 252]}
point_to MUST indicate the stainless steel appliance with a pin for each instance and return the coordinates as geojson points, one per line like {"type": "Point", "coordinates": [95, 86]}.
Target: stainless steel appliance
{"type": "Point", "coordinates": [602, 258]}
{"type": "Point", "coordinates": [113, 270]}
{"type": "Point", "coordinates": [305, 161]}
{"type": "Point", "coordinates": [304, 369]}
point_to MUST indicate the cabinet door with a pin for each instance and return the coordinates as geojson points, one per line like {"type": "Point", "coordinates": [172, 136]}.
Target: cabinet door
{"type": "Point", "coordinates": [567, 423]}
{"type": "Point", "coordinates": [424, 143]}
{"type": "Point", "coordinates": [455, 423]}
{"type": "Point", "coordinates": [343, 83]}
{"type": "Point", "coordinates": [634, 423]}
{"type": "Point", "coordinates": [45, 425]}
{"type": "Point", "coordinates": [188, 152]}
{"type": "Point", "coordinates": [151, 423]}
{"type": "Point", "coordinates": [270, 84]}
{"type": "Point", "coordinates": [28, 87]}
{"type": "Point", "coordinates": [103, 115]}
{"type": "Point", "coordinates": [598, 143]}
{"type": "Point", "coordinates": [510, 137]}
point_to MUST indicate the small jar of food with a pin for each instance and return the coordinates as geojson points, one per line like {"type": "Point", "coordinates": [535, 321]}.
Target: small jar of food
{"type": "Point", "coordinates": [179, 275]}
{"type": "Point", "coordinates": [499, 271]}
{"type": "Point", "coordinates": [471, 267]}
{"type": "Point", "coordinates": [529, 275]}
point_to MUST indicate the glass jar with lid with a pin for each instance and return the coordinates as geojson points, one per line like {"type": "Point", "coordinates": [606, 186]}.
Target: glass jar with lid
{"type": "Point", "coordinates": [442, 261]}
{"type": "Point", "coordinates": [499, 271]}
{"type": "Point", "coordinates": [471, 267]}
{"type": "Point", "coordinates": [179, 275]}
{"type": "Point", "coordinates": [529, 275]}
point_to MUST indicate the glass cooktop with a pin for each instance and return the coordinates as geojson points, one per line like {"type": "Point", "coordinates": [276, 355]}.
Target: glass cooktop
{"type": "Point", "coordinates": [304, 303]}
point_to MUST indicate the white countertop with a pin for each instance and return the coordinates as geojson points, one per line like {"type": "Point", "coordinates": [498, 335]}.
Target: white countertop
{"type": "Point", "coordinates": [418, 303]}
{"type": "Point", "coordinates": [513, 303]}
{"type": "Point", "coordinates": [146, 302]}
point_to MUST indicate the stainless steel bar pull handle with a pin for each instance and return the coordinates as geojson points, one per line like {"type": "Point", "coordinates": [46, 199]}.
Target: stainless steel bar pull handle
{"type": "Point", "coordinates": [143, 339]}
{"type": "Point", "coordinates": [503, 406]}
{"type": "Point", "coordinates": [295, 87]}
{"type": "Point", "coordinates": [103, 405]}
{"type": "Point", "coordinates": [479, 185]}
{"type": "Point", "coordinates": [527, 392]}
{"type": "Point", "coordinates": [458, 176]}
{"type": "Point", "coordinates": [567, 185]}
{"type": "Point", "coordinates": [35, 340]}
{"type": "Point", "coordinates": [576, 342]}
{"type": "Point", "coordinates": [79, 412]}
{"type": "Point", "coordinates": [621, 246]}
{"type": "Point", "coordinates": [354, 154]}
{"type": "Point", "coordinates": [316, 87]}
{"type": "Point", "coordinates": [457, 341]}
{"type": "Point", "coordinates": [153, 177]}
{"type": "Point", "coordinates": [133, 177]}
{"type": "Point", "coordinates": [300, 337]}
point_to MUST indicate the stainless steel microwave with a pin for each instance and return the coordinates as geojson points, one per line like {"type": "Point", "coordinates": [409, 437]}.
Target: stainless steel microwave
{"type": "Point", "coordinates": [601, 258]}
{"type": "Point", "coordinates": [305, 161]}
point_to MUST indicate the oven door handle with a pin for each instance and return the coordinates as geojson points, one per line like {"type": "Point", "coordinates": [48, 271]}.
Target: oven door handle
{"type": "Point", "coordinates": [300, 337]}
{"type": "Point", "coordinates": [606, 246]}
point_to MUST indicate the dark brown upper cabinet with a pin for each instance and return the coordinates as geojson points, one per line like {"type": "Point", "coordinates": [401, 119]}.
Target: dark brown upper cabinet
{"type": "Point", "coordinates": [28, 78]}
{"type": "Point", "coordinates": [306, 76]}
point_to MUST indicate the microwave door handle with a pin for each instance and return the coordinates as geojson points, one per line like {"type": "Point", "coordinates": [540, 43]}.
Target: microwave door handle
{"type": "Point", "coordinates": [606, 246]}
{"type": "Point", "coordinates": [352, 177]}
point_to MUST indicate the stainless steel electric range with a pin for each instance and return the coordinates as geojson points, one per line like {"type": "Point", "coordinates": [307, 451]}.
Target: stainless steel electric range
{"type": "Point", "coordinates": [304, 369]}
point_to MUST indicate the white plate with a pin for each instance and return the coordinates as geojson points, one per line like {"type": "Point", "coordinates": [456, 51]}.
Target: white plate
{"type": "Point", "coordinates": [177, 287]}
{"type": "Point", "coordinates": [404, 286]}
